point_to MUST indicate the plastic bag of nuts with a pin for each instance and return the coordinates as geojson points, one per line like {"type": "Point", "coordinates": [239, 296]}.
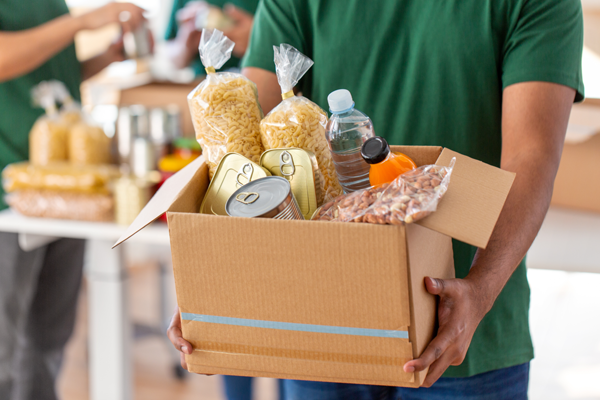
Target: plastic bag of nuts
{"type": "Point", "coordinates": [410, 197]}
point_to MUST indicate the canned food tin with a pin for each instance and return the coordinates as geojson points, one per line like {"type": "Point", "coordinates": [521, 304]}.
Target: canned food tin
{"type": "Point", "coordinates": [300, 168]}
{"type": "Point", "coordinates": [269, 197]}
{"type": "Point", "coordinates": [233, 172]}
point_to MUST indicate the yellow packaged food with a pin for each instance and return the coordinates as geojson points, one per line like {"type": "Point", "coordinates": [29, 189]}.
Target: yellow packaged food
{"type": "Point", "coordinates": [297, 121]}
{"type": "Point", "coordinates": [59, 176]}
{"type": "Point", "coordinates": [88, 145]}
{"type": "Point", "coordinates": [224, 107]}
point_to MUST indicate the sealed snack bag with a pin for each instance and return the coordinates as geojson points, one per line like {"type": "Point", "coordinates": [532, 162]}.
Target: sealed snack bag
{"type": "Point", "coordinates": [297, 121]}
{"type": "Point", "coordinates": [224, 107]}
{"type": "Point", "coordinates": [48, 136]}
{"type": "Point", "coordinates": [410, 197]}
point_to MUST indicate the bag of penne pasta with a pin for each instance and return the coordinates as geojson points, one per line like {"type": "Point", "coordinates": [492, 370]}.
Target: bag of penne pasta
{"type": "Point", "coordinates": [224, 107]}
{"type": "Point", "coordinates": [297, 121]}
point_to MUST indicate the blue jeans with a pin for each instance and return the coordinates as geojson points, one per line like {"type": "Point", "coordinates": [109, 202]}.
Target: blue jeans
{"type": "Point", "coordinates": [507, 383]}
{"type": "Point", "coordinates": [240, 388]}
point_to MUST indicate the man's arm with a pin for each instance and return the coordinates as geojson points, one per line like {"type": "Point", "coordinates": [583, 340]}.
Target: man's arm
{"type": "Point", "coordinates": [23, 51]}
{"type": "Point", "coordinates": [534, 122]}
{"type": "Point", "coordinates": [269, 92]}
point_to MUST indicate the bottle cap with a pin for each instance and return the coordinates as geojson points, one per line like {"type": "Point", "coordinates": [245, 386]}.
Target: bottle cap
{"type": "Point", "coordinates": [340, 101]}
{"type": "Point", "coordinates": [375, 150]}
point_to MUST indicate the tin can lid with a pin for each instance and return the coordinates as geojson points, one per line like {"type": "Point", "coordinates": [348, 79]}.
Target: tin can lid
{"type": "Point", "coordinates": [258, 197]}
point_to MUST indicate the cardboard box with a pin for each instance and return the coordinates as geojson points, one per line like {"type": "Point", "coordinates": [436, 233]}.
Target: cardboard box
{"type": "Point", "coordinates": [324, 301]}
{"type": "Point", "coordinates": [575, 187]}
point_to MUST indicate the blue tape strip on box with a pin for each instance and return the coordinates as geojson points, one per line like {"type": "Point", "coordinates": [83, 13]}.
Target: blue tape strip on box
{"type": "Point", "coordinates": [290, 326]}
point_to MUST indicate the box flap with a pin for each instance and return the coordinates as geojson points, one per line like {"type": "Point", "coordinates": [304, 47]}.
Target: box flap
{"type": "Point", "coordinates": [194, 177]}
{"type": "Point", "coordinates": [469, 210]}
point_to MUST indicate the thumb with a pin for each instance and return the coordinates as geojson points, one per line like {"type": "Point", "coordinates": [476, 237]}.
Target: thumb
{"type": "Point", "coordinates": [435, 286]}
{"type": "Point", "coordinates": [236, 14]}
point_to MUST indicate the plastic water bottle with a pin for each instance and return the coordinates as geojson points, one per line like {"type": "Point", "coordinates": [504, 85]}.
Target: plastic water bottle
{"type": "Point", "coordinates": [346, 132]}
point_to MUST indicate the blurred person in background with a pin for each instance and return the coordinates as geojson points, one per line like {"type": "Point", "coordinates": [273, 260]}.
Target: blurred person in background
{"type": "Point", "coordinates": [234, 18]}
{"type": "Point", "coordinates": [39, 288]}
{"type": "Point", "coordinates": [494, 80]}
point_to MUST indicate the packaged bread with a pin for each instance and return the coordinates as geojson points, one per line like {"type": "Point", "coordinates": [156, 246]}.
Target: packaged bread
{"type": "Point", "coordinates": [62, 205]}
{"type": "Point", "coordinates": [59, 176]}
{"type": "Point", "coordinates": [297, 121]}
{"type": "Point", "coordinates": [88, 144]}
{"type": "Point", "coordinates": [224, 107]}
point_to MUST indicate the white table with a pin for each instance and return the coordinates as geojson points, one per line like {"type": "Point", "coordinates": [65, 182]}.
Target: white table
{"type": "Point", "coordinates": [110, 333]}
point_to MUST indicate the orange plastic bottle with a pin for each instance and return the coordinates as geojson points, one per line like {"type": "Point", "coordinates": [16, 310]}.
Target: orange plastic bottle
{"type": "Point", "coordinates": [385, 165]}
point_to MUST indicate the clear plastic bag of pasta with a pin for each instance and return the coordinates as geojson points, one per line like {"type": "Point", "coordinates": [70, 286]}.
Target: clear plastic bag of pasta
{"type": "Point", "coordinates": [49, 134]}
{"type": "Point", "coordinates": [224, 107]}
{"type": "Point", "coordinates": [88, 144]}
{"type": "Point", "coordinates": [70, 111]}
{"type": "Point", "coordinates": [297, 121]}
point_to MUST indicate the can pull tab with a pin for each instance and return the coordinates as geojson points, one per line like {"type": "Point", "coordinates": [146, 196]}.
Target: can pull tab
{"type": "Point", "coordinates": [286, 160]}
{"type": "Point", "coordinates": [247, 197]}
{"type": "Point", "coordinates": [245, 172]}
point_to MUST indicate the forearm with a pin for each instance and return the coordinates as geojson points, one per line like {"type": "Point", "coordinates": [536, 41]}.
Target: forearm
{"type": "Point", "coordinates": [24, 51]}
{"type": "Point", "coordinates": [94, 65]}
{"type": "Point", "coordinates": [179, 54]}
{"type": "Point", "coordinates": [534, 123]}
{"type": "Point", "coordinates": [517, 226]}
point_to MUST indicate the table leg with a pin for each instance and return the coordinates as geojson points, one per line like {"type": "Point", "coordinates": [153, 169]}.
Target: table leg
{"type": "Point", "coordinates": [110, 336]}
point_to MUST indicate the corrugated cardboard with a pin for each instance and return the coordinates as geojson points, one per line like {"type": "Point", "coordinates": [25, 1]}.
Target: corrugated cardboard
{"type": "Point", "coordinates": [344, 279]}
{"type": "Point", "coordinates": [577, 185]}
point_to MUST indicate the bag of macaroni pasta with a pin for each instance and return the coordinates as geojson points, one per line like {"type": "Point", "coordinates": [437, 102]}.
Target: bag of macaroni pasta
{"type": "Point", "coordinates": [48, 136]}
{"type": "Point", "coordinates": [297, 121]}
{"type": "Point", "coordinates": [224, 107]}
{"type": "Point", "coordinates": [70, 111]}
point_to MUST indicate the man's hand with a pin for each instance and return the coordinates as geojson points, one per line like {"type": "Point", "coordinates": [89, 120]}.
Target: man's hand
{"type": "Point", "coordinates": [240, 33]}
{"type": "Point", "coordinates": [176, 337]}
{"type": "Point", "coordinates": [128, 15]}
{"type": "Point", "coordinates": [460, 311]}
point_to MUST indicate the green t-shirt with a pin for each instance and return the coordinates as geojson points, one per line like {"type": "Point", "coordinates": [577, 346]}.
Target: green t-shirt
{"type": "Point", "coordinates": [17, 113]}
{"type": "Point", "coordinates": [171, 32]}
{"type": "Point", "coordinates": [431, 72]}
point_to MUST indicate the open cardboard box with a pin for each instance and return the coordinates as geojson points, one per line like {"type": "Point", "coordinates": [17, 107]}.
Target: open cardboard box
{"type": "Point", "coordinates": [323, 301]}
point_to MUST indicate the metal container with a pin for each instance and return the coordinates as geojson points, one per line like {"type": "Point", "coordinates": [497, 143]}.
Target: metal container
{"type": "Point", "coordinates": [269, 197]}
{"type": "Point", "coordinates": [300, 168]}
{"type": "Point", "coordinates": [233, 172]}
{"type": "Point", "coordinates": [136, 44]}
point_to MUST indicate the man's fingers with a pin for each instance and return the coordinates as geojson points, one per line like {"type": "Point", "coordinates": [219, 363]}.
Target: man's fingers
{"type": "Point", "coordinates": [176, 337]}
{"type": "Point", "coordinates": [235, 13]}
{"type": "Point", "coordinates": [435, 286]}
{"type": "Point", "coordinates": [434, 351]}
{"type": "Point", "coordinates": [182, 361]}
{"type": "Point", "coordinates": [437, 369]}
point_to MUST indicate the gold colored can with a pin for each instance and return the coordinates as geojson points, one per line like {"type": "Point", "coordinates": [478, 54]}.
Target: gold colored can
{"type": "Point", "coordinates": [269, 197]}
{"type": "Point", "coordinates": [300, 168]}
{"type": "Point", "coordinates": [233, 172]}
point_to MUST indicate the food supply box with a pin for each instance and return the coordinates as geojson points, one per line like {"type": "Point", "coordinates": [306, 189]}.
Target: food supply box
{"type": "Point", "coordinates": [321, 301]}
